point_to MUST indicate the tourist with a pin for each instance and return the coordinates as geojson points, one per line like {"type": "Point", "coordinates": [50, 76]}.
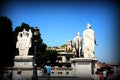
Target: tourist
{"type": "Point", "coordinates": [45, 70]}
{"type": "Point", "coordinates": [10, 73]}
{"type": "Point", "coordinates": [96, 76]}
{"type": "Point", "coordinates": [109, 73]}
{"type": "Point", "coordinates": [101, 77]}
{"type": "Point", "coordinates": [105, 74]}
{"type": "Point", "coordinates": [48, 68]}
{"type": "Point", "coordinates": [18, 76]}
{"type": "Point", "coordinates": [5, 75]}
{"type": "Point", "coordinates": [111, 76]}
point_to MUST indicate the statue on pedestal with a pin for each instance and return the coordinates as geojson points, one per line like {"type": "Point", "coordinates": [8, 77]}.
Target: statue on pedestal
{"type": "Point", "coordinates": [24, 42]}
{"type": "Point", "coordinates": [89, 41]}
{"type": "Point", "coordinates": [77, 45]}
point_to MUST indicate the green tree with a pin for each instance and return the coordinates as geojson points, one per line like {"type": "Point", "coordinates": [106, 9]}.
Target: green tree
{"type": "Point", "coordinates": [52, 57]}
{"type": "Point", "coordinates": [64, 45]}
{"type": "Point", "coordinates": [7, 46]}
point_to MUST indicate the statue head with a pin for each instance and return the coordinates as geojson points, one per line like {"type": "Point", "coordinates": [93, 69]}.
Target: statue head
{"type": "Point", "coordinates": [78, 34]}
{"type": "Point", "coordinates": [88, 26]}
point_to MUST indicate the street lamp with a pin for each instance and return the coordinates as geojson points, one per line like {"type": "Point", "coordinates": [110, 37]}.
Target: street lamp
{"type": "Point", "coordinates": [35, 34]}
{"type": "Point", "coordinates": [77, 50]}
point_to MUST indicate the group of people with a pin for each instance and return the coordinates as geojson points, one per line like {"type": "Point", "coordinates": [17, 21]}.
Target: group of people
{"type": "Point", "coordinates": [100, 75]}
{"type": "Point", "coordinates": [105, 75]}
{"type": "Point", "coordinates": [7, 74]}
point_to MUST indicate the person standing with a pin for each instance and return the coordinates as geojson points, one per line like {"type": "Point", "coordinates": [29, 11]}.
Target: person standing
{"type": "Point", "coordinates": [101, 76]}
{"type": "Point", "coordinates": [48, 68]}
{"type": "Point", "coordinates": [105, 74]}
{"type": "Point", "coordinates": [96, 76]}
{"type": "Point", "coordinates": [18, 76]}
{"type": "Point", "coordinates": [45, 70]}
{"type": "Point", "coordinates": [5, 75]}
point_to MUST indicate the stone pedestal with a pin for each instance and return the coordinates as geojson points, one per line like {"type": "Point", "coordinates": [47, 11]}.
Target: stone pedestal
{"type": "Point", "coordinates": [25, 63]}
{"type": "Point", "coordinates": [84, 68]}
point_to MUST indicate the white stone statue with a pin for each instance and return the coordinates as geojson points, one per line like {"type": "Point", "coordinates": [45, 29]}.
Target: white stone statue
{"type": "Point", "coordinates": [24, 42]}
{"type": "Point", "coordinates": [77, 45]}
{"type": "Point", "coordinates": [89, 41]}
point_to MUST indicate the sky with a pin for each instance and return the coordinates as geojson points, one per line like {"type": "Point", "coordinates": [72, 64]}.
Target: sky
{"type": "Point", "coordinates": [59, 22]}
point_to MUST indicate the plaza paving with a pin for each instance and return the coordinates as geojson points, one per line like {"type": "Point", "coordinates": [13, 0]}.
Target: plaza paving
{"type": "Point", "coordinates": [58, 78]}
{"type": "Point", "coordinates": [62, 78]}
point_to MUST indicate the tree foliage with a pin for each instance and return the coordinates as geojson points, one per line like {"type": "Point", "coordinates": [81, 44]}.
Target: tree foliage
{"type": "Point", "coordinates": [50, 56]}
{"type": "Point", "coordinates": [7, 46]}
{"type": "Point", "coordinates": [64, 45]}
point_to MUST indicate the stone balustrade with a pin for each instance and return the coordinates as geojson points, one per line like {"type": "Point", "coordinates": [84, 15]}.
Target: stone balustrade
{"type": "Point", "coordinates": [62, 71]}
{"type": "Point", "coordinates": [68, 71]}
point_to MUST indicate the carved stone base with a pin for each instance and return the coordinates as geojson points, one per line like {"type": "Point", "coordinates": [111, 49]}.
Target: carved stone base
{"type": "Point", "coordinates": [26, 73]}
{"type": "Point", "coordinates": [25, 63]}
{"type": "Point", "coordinates": [84, 67]}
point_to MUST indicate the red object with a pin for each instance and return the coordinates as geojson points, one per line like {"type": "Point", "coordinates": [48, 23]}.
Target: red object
{"type": "Point", "coordinates": [101, 77]}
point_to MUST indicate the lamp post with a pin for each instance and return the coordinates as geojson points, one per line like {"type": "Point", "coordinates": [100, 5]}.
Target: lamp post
{"type": "Point", "coordinates": [36, 32]}
{"type": "Point", "coordinates": [77, 50]}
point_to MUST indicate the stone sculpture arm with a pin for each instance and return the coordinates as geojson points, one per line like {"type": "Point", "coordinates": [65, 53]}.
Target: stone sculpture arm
{"type": "Point", "coordinates": [30, 33]}
{"type": "Point", "coordinates": [95, 42]}
{"type": "Point", "coordinates": [18, 37]}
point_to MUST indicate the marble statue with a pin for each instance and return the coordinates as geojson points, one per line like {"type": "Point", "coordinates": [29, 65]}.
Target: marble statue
{"type": "Point", "coordinates": [77, 45]}
{"type": "Point", "coordinates": [24, 42]}
{"type": "Point", "coordinates": [89, 41]}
